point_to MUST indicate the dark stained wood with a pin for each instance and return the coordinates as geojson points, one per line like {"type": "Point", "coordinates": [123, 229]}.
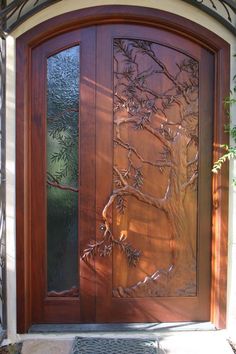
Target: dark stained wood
{"type": "Point", "coordinates": [220, 196]}
{"type": "Point", "coordinates": [58, 309]}
{"type": "Point", "coordinates": [194, 39]}
{"type": "Point", "coordinates": [87, 169]}
{"type": "Point", "coordinates": [37, 177]}
{"type": "Point", "coordinates": [22, 195]}
{"type": "Point", "coordinates": [205, 178]}
{"type": "Point", "coordinates": [104, 166]}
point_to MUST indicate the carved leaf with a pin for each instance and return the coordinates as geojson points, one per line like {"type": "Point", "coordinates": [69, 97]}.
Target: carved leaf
{"type": "Point", "coordinates": [91, 251]}
{"type": "Point", "coordinates": [133, 255]}
{"type": "Point", "coordinates": [121, 204]}
{"type": "Point", "coordinates": [138, 179]}
{"type": "Point", "coordinates": [106, 251]}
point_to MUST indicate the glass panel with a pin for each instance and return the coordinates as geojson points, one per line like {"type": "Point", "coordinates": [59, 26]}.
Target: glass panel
{"type": "Point", "coordinates": [154, 231]}
{"type": "Point", "coordinates": [62, 172]}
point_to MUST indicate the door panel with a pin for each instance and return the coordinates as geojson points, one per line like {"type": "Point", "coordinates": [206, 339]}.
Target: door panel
{"type": "Point", "coordinates": [62, 189]}
{"type": "Point", "coordinates": [153, 256]}
{"type": "Point", "coordinates": [144, 190]}
{"type": "Point", "coordinates": [155, 167]}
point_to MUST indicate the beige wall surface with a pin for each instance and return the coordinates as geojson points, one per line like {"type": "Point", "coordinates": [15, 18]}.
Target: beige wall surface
{"type": "Point", "coordinates": [177, 7]}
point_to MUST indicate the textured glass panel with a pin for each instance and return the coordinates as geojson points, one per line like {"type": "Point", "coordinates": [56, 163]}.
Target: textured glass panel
{"type": "Point", "coordinates": [62, 172]}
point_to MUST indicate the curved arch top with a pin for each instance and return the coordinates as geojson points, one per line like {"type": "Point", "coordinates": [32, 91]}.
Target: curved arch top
{"type": "Point", "coordinates": [16, 12]}
{"type": "Point", "coordinates": [124, 14]}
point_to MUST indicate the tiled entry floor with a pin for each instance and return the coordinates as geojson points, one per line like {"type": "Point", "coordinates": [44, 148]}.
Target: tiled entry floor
{"type": "Point", "coordinates": [197, 342]}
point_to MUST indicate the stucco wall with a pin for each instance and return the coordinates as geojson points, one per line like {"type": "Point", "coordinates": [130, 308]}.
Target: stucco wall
{"type": "Point", "coordinates": [175, 6]}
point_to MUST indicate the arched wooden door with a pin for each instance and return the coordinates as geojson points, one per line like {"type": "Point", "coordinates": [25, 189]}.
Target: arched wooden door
{"type": "Point", "coordinates": [120, 176]}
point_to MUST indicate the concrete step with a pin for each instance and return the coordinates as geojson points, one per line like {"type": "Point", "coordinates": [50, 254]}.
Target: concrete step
{"type": "Point", "coordinates": [197, 342]}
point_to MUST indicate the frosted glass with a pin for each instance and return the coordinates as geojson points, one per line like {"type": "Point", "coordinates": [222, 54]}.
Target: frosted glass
{"type": "Point", "coordinates": [63, 71]}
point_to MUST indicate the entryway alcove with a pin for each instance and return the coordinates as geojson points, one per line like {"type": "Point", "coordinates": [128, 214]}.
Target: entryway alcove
{"type": "Point", "coordinates": [118, 123]}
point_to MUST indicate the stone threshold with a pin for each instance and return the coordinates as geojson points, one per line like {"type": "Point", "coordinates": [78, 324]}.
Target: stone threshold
{"type": "Point", "coordinates": [120, 327]}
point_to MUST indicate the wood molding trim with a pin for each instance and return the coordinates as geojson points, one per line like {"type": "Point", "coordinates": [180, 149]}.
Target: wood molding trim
{"type": "Point", "coordinates": [220, 196]}
{"type": "Point", "coordinates": [119, 14]}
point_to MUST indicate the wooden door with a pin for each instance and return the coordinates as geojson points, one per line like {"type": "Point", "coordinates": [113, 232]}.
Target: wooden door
{"type": "Point", "coordinates": [154, 117]}
{"type": "Point", "coordinates": [145, 111]}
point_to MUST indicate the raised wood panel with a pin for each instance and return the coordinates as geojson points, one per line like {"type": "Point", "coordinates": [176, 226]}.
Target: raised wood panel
{"type": "Point", "coordinates": [155, 167]}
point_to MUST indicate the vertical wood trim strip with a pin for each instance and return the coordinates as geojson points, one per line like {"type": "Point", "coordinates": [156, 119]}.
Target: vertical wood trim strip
{"type": "Point", "coordinates": [22, 192]}
{"type": "Point", "coordinates": [220, 194]}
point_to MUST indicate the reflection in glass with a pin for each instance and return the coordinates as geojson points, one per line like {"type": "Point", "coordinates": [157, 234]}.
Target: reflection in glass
{"type": "Point", "coordinates": [63, 71]}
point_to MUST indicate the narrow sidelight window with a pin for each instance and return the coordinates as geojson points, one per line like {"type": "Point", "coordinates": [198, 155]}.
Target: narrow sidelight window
{"type": "Point", "coordinates": [63, 74]}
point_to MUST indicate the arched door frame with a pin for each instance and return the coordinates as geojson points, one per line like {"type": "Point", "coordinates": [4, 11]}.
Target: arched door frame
{"type": "Point", "coordinates": [121, 14]}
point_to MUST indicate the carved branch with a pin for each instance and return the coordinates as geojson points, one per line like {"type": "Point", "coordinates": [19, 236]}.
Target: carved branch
{"type": "Point", "coordinates": [95, 248]}
{"type": "Point", "coordinates": [193, 161]}
{"type": "Point", "coordinates": [191, 180]}
{"type": "Point", "coordinates": [139, 101]}
{"type": "Point", "coordinates": [160, 163]}
{"type": "Point", "coordinates": [127, 190]}
{"type": "Point", "coordinates": [124, 120]}
{"type": "Point", "coordinates": [104, 247]}
{"type": "Point", "coordinates": [159, 136]}
{"type": "Point", "coordinates": [73, 292]}
{"type": "Point", "coordinates": [120, 176]}
{"type": "Point", "coordinates": [62, 187]}
{"type": "Point", "coordinates": [162, 96]}
{"type": "Point", "coordinates": [150, 52]}
{"type": "Point", "coordinates": [132, 254]}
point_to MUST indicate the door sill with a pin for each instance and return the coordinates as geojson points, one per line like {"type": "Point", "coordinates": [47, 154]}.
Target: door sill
{"type": "Point", "coordinates": [122, 327]}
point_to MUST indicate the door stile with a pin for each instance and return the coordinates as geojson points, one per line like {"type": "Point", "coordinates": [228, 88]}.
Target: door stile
{"type": "Point", "coordinates": [38, 184]}
{"type": "Point", "coordinates": [104, 163]}
{"type": "Point", "coordinates": [87, 173]}
{"type": "Point", "coordinates": [206, 122]}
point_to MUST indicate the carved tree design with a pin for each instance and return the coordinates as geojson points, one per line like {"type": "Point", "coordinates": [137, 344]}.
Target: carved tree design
{"type": "Point", "coordinates": [140, 105]}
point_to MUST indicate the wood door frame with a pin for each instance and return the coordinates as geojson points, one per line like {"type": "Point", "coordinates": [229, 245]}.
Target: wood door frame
{"type": "Point", "coordinates": [120, 14]}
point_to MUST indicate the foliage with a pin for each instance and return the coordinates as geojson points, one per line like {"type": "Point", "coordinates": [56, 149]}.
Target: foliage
{"type": "Point", "coordinates": [62, 168]}
{"type": "Point", "coordinates": [230, 150]}
{"type": "Point", "coordinates": [63, 98]}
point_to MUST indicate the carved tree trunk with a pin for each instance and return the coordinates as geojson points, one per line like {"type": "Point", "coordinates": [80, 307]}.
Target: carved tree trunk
{"type": "Point", "coordinates": [155, 138]}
